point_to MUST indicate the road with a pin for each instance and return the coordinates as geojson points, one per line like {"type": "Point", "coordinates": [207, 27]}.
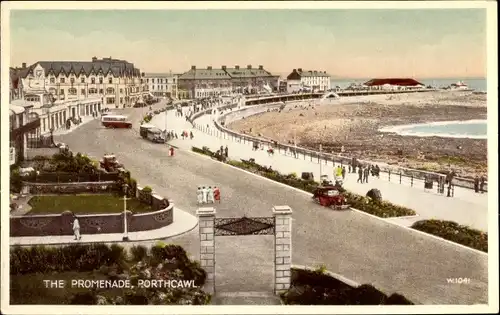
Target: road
{"type": "Point", "coordinates": [363, 249]}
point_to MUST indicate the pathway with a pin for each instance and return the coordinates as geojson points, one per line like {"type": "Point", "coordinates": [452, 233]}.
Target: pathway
{"type": "Point", "coordinates": [467, 207]}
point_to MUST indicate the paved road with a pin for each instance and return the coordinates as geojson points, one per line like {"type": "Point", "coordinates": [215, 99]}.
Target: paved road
{"type": "Point", "coordinates": [358, 247]}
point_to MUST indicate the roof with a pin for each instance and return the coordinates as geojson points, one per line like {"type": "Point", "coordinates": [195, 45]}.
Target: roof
{"type": "Point", "coordinates": [299, 73]}
{"type": "Point", "coordinates": [16, 109]}
{"type": "Point", "coordinates": [393, 81]}
{"type": "Point", "coordinates": [224, 73]}
{"type": "Point", "coordinates": [97, 66]}
{"type": "Point", "coordinates": [159, 75]}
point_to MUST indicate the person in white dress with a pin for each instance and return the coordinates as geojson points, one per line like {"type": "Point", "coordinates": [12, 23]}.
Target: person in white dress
{"type": "Point", "coordinates": [204, 194]}
{"type": "Point", "coordinates": [199, 194]}
{"type": "Point", "coordinates": [210, 195]}
{"type": "Point", "coordinates": [76, 228]}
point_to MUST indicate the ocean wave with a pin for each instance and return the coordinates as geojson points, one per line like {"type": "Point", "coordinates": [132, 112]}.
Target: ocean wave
{"type": "Point", "coordinates": [402, 130]}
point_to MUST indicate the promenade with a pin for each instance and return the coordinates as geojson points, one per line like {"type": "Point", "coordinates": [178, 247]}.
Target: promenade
{"type": "Point", "coordinates": [466, 207]}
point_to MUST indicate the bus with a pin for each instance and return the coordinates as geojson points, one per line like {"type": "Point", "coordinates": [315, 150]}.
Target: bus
{"type": "Point", "coordinates": [116, 121]}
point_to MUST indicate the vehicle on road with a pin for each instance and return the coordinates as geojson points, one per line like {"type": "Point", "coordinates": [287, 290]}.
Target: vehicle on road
{"type": "Point", "coordinates": [116, 121]}
{"type": "Point", "coordinates": [143, 130]}
{"type": "Point", "coordinates": [155, 135]}
{"type": "Point", "coordinates": [330, 196]}
{"type": "Point", "coordinates": [110, 163]}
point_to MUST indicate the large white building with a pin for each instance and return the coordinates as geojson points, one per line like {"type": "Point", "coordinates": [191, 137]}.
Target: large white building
{"type": "Point", "coordinates": [162, 84]}
{"type": "Point", "coordinates": [308, 80]}
{"type": "Point", "coordinates": [116, 82]}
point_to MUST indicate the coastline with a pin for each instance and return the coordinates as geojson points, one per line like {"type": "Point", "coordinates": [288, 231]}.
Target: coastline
{"type": "Point", "coordinates": [400, 129]}
{"type": "Point", "coordinates": [355, 126]}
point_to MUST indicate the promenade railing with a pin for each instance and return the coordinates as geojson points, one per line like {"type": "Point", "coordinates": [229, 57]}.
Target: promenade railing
{"type": "Point", "coordinates": [407, 176]}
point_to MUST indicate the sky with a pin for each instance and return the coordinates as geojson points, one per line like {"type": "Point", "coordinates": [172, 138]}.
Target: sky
{"type": "Point", "coordinates": [347, 43]}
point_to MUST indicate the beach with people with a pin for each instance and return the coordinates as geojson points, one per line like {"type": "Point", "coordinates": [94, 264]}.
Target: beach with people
{"type": "Point", "coordinates": [350, 126]}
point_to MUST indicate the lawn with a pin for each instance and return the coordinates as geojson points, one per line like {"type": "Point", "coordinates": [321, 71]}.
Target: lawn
{"type": "Point", "coordinates": [84, 204]}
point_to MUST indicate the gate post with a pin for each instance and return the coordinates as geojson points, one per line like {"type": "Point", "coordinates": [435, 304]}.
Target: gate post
{"type": "Point", "coordinates": [283, 248]}
{"type": "Point", "coordinates": [206, 218]}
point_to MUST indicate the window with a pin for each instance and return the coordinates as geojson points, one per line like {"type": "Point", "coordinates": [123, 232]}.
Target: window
{"type": "Point", "coordinates": [62, 92]}
{"type": "Point", "coordinates": [83, 92]}
{"type": "Point", "coordinates": [72, 80]}
{"type": "Point", "coordinates": [147, 80]}
{"type": "Point", "coordinates": [82, 80]}
{"type": "Point", "coordinates": [52, 80]}
{"type": "Point", "coordinates": [63, 80]}
{"type": "Point", "coordinates": [101, 91]}
{"type": "Point", "coordinates": [101, 80]}
{"type": "Point", "coordinates": [166, 81]}
{"type": "Point", "coordinates": [121, 91]}
{"type": "Point", "coordinates": [110, 80]}
{"type": "Point", "coordinates": [92, 80]}
{"type": "Point", "coordinates": [110, 91]}
{"type": "Point", "coordinates": [121, 100]}
{"type": "Point", "coordinates": [110, 100]}
{"type": "Point", "coordinates": [152, 80]}
{"type": "Point", "coordinates": [92, 91]}
{"type": "Point", "coordinates": [72, 91]}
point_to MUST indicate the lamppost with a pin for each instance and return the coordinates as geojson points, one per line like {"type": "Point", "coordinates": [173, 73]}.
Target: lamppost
{"type": "Point", "coordinates": [320, 165]}
{"type": "Point", "coordinates": [125, 223]}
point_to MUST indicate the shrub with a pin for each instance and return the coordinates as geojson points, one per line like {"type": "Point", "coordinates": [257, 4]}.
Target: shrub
{"type": "Point", "coordinates": [16, 183]}
{"type": "Point", "coordinates": [454, 232]}
{"type": "Point", "coordinates": [318, 288]}
{"type": "Point", "coordinates": [147, 190]}
{"type": "Point", "coordinates": [138, 252]}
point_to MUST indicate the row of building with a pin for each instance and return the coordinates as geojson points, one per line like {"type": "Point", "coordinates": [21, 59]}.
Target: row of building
{"type": "Point", "coordinates": [50, 95]}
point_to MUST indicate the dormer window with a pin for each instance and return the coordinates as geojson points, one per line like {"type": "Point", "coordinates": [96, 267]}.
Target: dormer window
{"type": "Point", "coordinates": [82, 80]}
{"type": "Point", "coordinates": [63, 80]}
{"type": "Point", "coordinates": [110, 80]}
{"type": "Point", "coordinates": [72, 80]}
{"type": "Point", "coordinates": [92, 80]}
{"type": "Point", "coordinates": [101, 80]}
{"type": "Point", "coordinates": [52, 80]}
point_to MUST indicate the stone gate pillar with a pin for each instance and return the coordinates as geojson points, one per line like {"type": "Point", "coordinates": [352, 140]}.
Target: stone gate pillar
{"type": "Point", "coordinates": [283, 248]}
{"type": "Point", "coordinates": [206, 220]}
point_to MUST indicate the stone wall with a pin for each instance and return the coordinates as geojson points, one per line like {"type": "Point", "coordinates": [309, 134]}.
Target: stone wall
{"type": "Point", "coordinates": [69, 188]}
{"type": "Point", "coordinates": [62, 224]}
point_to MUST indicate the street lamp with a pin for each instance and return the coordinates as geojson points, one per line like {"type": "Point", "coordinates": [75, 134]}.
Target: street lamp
{"type": "Point", "coordinates": [125, 224]}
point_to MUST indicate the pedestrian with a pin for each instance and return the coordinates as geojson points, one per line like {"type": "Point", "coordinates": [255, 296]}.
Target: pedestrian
{"type": "Point", "coordinates": [360, 175]}
{"type": "Point", "coordinates": [191, 135]}
{"type": "Point", "coordinates": [476, 184]}
{"type": "Point", "coordinates": [199, 195]}
{"type": "Point", "coordinates": [176, 137]}
{"type": "Point", "coordinates": [366, 174]}
{"type": "Point", "coordinates": [76, 228]}
{"type": "Point", "coordinates": [216, 194]}
{"type": "Point", "coordinates": [221, 150]}
{"type": "Point", "coordinates": [350, 168]}
{"type": "Point", "coordinates": [204, 195]}
{"type": "Point", "coordinates": [171, 151]}
{"type": "Point", "coordinates": [343, 172]}
{"type": "Point", "coordinates": [210, 195]}
{"type": "Point", "coordinates": [226, 152]}
{"type": "Point", "coordinates": [482, 183]}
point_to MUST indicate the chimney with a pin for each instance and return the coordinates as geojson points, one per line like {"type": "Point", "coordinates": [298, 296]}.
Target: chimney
{"type": "Point", "coordinates": [209, 68]}
{"type": "Point", "coordinates": [24, 65]}
{"type": "Point", "coordinates": [237, 67]}
{"type": "Point", "coordinates": [300, 69]}
{"type": "Point", "coordinates": [94, 59]}
{"type": "Point", "coordinates": [261, 67]}
{"type": "Point", "coordinates": [193, 67]}
{"type": "Point", "coordinates": [249, 67]}
{"type": "Point", "coordinates": [223, 67]}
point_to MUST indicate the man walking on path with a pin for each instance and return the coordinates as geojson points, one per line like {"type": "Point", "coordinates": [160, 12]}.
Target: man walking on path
{"type": "Point", "coordinates": [366, 172]}
{"type": "Point", "coordinates": [482, 183]}
{"type": "Point", "coordinates": [360, 175]}
{"type": "Point", "coordinates": [476, 184]}
{"type": "Point", "coordinates": [76, 228]}
{"type": "Point", "coordinates": [343, 172]}
{"type": "Point", "coordinates": [199, 195]}
{"type": "Point", "coordinates": [226, 150]}
{"type": "Point", "coordinates": [204, 194]}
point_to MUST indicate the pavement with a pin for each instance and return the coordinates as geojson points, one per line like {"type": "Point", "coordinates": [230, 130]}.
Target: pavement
{"type": "Point", "coordinates": [85, 120]}
{"type": "Point", "coordinates": [466, 207]}
{"type": "Point", "coordinates": [183, 222]}
{"type": "Point", "coordinates": [357, 246]}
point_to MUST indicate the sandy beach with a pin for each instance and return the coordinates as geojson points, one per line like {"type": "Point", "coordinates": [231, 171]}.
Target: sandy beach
{"type": "Point", "coordinates": [353, 122]}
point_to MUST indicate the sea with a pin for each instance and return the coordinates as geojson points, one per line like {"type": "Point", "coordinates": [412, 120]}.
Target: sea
{"type": "Point", "coordinates": [472, 129]}
{"type": "Point", "coordinates": [475, 129]}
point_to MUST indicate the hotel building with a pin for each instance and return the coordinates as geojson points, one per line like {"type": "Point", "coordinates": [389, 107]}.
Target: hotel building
{"type": "Point", "coordinates": [162, 84]}
{"type": "Point", "coordinates": [312, 80]}
{"type": "Point", "coordinates": [208, 82]}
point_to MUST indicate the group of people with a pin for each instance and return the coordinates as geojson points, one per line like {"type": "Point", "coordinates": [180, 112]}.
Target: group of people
{"type": "Point", "coordinates": [208, 195]}
{"type": "Point", "coordinates": [340, 172]}
{"type": "Point", "coordinates": [223, 151]}
{"type": "Point", "coordinates": [479, 183]}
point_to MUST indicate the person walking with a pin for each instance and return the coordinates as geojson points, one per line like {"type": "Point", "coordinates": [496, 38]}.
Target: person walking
{"type": "Point", "coordinates": [204, 192]}
{"type": "Point", "coordinates": [366, 174]}
{"type": "Point", "coordinates": [191, 135]}
{"type": "Point", "coordinates": [360, 175]}
{"type": "Point", "coordinates": [210, 195]}
{"type": "Point", "coordinates": [199, 195]}
{"type": "Point", "coordinates": [343, 172]}
{"type": "Point", "coordinates": [216, 194]}
{"type": "Point", "coordinates": [476, 184]}
{"type": "Point", "coordinates": [76, 228]}
{"type": "Point", "coordinates": [226, 150]}
{"type": "Point", "coordinates": [482, 183]}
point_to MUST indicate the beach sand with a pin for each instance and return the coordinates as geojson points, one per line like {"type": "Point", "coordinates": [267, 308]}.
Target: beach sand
{"type": "Point", "coordinates": [353, 122]}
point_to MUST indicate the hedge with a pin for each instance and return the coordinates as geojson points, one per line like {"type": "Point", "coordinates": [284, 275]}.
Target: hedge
{"type": "Point", "coordinates": [381, 209]}
{"type": "Point", "coordinates": [454, 232]}
{"type": "Point", "coordinates": [103, 262]}
{"type": "Point", "coordinates": [318, 288]}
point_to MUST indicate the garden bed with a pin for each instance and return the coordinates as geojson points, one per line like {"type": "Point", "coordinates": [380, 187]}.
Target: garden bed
{"type": "Point", "coordinates": [382, 209]}
{"type": "Point", "coordinates": [454, 232]}
{"type": "Point", "coordinates": [316, 287]}
{"type": "Point", "coordinates": [84, 204]}
{"type": "Point", "coordinates": [31, 265]}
